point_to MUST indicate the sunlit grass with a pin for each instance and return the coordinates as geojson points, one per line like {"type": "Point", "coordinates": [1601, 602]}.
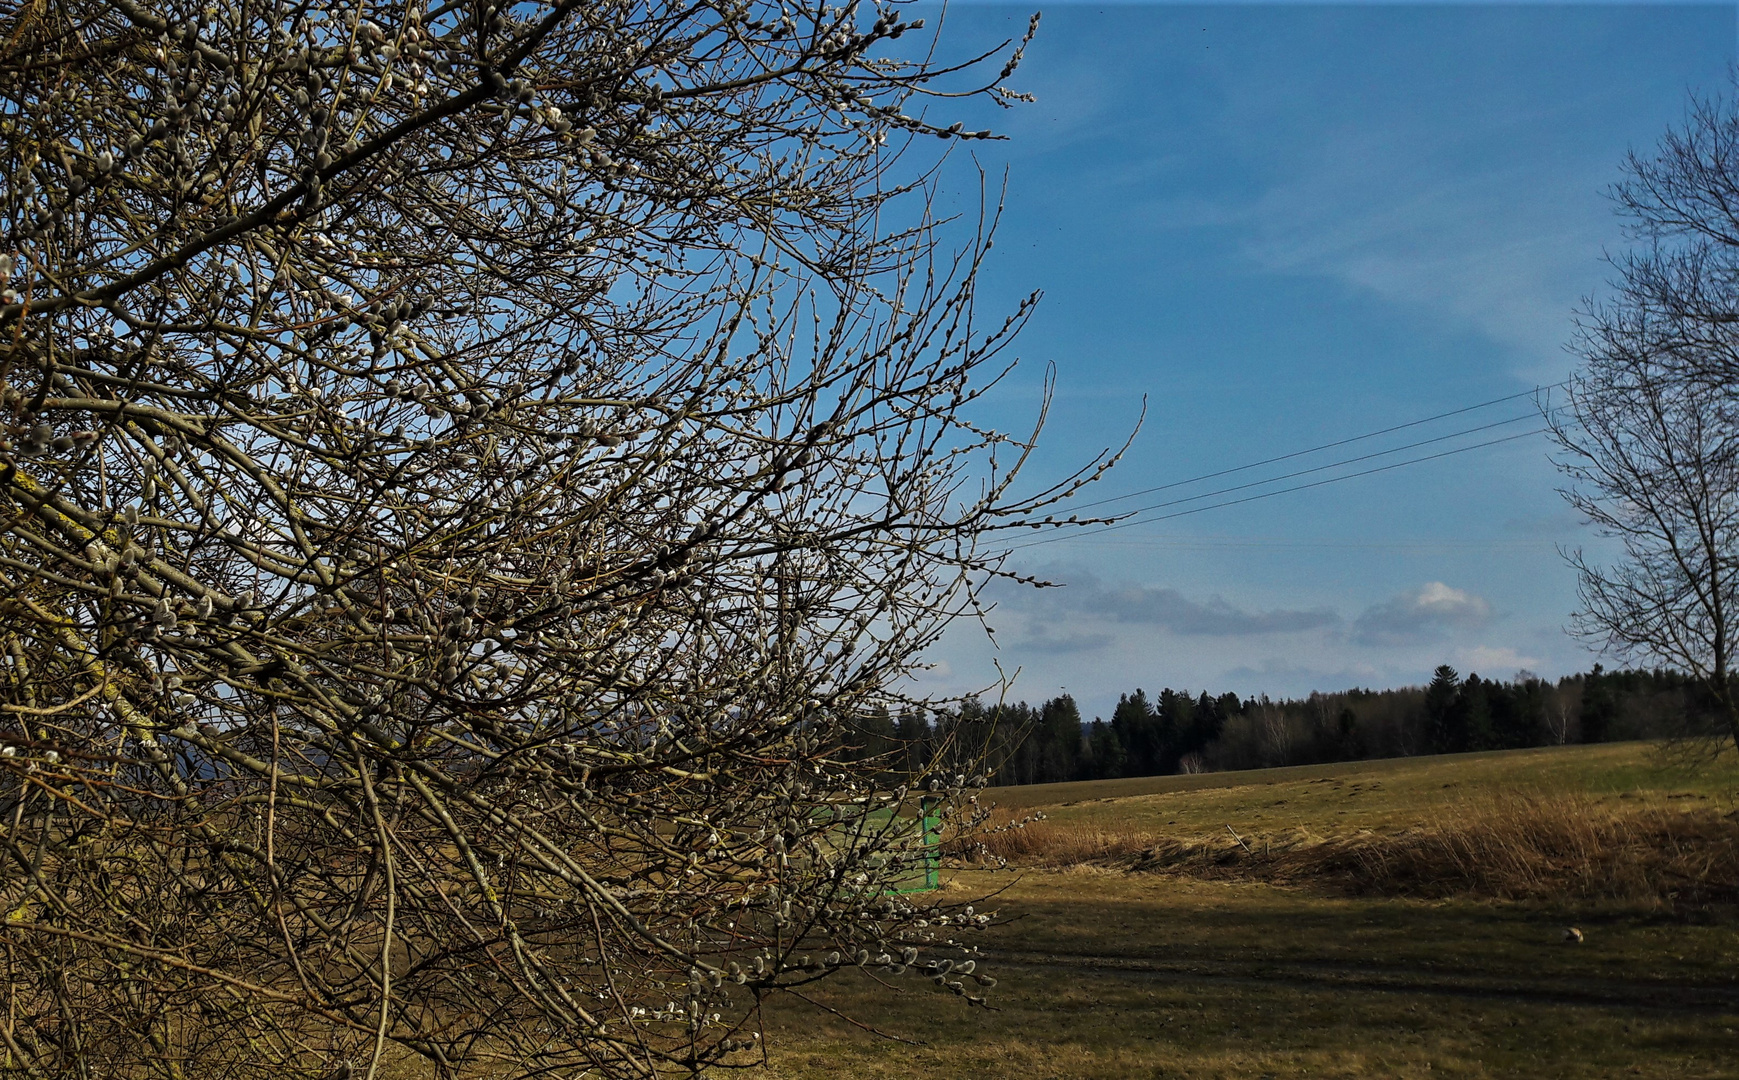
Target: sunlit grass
{"type": "Point", "coordinates": [1387, 794]}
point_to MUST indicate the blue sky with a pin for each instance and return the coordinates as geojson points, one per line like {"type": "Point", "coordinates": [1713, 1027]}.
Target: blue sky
{"type": "Point", "coordinates": [1289, 224]}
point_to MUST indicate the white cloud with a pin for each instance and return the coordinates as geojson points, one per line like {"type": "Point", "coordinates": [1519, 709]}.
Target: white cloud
{"type": "Point", "coordinates": [937, 671]}
{"type": "Point", "coordinates": [1423, 614]}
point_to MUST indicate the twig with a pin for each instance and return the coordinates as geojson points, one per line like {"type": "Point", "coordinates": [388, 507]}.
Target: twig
{"type": "Point", "coordinates": [850, 1020]}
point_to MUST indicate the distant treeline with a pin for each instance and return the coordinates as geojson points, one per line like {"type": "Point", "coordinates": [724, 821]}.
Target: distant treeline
{"type": "Point", "coordinates": [1175, 731]}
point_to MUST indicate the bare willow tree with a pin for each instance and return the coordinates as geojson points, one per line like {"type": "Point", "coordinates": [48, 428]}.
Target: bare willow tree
{"type": "Point", "coordinates": [465, 466]}
{"type": "Point", "coordinates": [1650, 432]}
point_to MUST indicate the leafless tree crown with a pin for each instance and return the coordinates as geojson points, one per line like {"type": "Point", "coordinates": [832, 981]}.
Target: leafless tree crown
{"type": "Point", "coordinates": [1649, 435]}
{"type": "Point", "coordinates": [464, 468]}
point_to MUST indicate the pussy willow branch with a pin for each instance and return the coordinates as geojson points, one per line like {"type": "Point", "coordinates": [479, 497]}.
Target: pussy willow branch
{"type": "Point", "coordinates": [464, 471]}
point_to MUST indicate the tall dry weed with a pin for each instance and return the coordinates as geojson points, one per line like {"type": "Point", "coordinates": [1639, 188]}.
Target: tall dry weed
{"type": "Point", "coordinates": [1515, 845]}
{"type": "Point", "coordinates": [1055, 844]}
{"type": "Point", "coordinates": [1524, 846]}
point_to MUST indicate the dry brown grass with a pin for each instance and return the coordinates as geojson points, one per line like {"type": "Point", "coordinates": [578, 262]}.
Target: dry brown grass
{"type": "Point", "coordinates": [1531, 847]}
{"type": "Point", "coordinates": [1025, 842]}
{"type": "Point", "coordinates": [1511, 846]}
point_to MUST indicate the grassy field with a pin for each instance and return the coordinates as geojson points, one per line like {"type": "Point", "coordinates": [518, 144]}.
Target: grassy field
{"type": "Point", "coordinates": [1113, 972]}
{"type": "Point", "coordinates": [1382, 794]}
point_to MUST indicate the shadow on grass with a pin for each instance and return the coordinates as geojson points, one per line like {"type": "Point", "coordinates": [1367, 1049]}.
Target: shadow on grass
{"type": "Point", "coordinates": [1108, 974]}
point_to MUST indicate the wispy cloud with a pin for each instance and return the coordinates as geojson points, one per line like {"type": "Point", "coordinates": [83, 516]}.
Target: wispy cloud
{"type": "Point", "coordinates": [1086, 596]}
{"type": "Point", "coordinates": [1278, 677]}
{"type": "Point", "coordinates": [1041, 637]}
{"type": "Point", "coordinates": [1453, 247]}
{"type": "Point", "coordinates": [1440, 198]}
{"type": "Point", "coordinates": [1498, 662]}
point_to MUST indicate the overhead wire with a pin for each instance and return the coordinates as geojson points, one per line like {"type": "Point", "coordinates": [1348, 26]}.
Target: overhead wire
{"type": "Point", "coordinates": [1119, 526]}
{"type": "Point", "coordinates": [1331, 465]}
{"type": "Point", "coordinates": [1323, 446]}
{"type": "Point", "coordinates": [1193, 542]}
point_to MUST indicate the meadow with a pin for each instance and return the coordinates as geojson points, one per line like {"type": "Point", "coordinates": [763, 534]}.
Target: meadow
{"type": "Point", "coordinates": [1380, 919]}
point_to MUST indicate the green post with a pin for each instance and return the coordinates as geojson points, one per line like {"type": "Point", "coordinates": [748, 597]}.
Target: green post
{"type": "Point", "coordinates": [932, 819]}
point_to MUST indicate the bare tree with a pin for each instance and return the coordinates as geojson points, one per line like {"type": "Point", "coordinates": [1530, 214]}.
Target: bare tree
{"type": "Point", "coordinates": [1655, 461]}
{"type": "Point", "coordinates": [1650, 432]}
{"type": "Point", "coordinates": [462, 465]}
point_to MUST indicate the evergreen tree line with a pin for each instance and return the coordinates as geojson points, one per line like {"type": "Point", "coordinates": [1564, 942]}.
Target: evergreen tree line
{"type": "Point", "coordinates": [1175, 731]}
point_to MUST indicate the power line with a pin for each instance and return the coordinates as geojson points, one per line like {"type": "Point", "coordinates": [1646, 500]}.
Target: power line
{"type": "Point", "coordinates": [1220, 543]}
{"type": "Point", "coordinates": [1282, 491]}
{"type": "Point", "coordinates": [1330, 465]}
{"type": "Point", "coordinates": [1325, 446]}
